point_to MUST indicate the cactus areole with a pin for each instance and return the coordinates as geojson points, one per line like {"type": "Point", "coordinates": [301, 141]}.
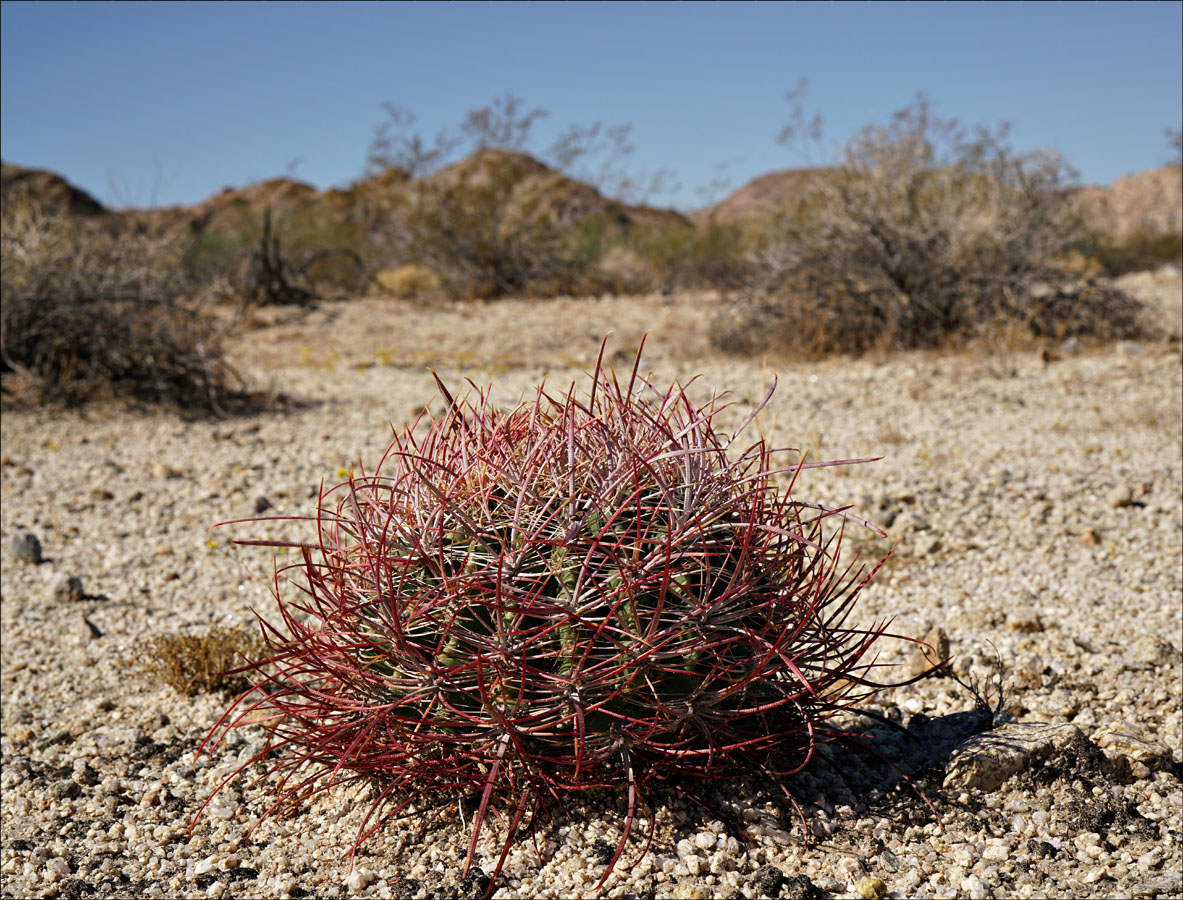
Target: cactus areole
{"type": "Point", "coordinates": [591, 590]}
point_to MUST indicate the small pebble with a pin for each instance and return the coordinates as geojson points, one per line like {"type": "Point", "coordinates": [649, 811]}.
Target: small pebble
{"type": "Point", "coordinates": [1024, 619]}
{"type": "Point", "coordinates": [26, 547]}
{"type": "Point", "coordinates": [1121, 497]}
{"type": "Point", "coordinates": [67, 589]}
{"type": "Point", "coordinates": [933, 650]}
{"type": "Point", "coordinates": [704, 840]}
{"type": "Point", "coordinates": [871, 888]}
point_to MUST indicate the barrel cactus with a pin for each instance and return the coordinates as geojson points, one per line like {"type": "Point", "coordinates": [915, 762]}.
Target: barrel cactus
{"type": "Point", "coordinates": [593, 590]}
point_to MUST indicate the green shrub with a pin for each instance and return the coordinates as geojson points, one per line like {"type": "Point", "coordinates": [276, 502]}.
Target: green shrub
{"type": "Point", "coordinates": [682, 256]}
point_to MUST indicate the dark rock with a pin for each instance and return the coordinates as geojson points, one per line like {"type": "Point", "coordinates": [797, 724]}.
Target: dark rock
{"type": "Point", "coordinates": [68, 589]}
{"type": "Point", "coordinates": [64, 790]}
{"type": "Point", "coordinates": [602, 851]}
{"type": "Point", "coordinates": [406, 888]}
{"type": "Point", "coordinates": [26, 547]}
{"type": "Point", "coordinates": [1041, 849]}
{"type": "Point", "coordinates": [799, 887]}
{"type": "Point", "coordinates": [768, 881]}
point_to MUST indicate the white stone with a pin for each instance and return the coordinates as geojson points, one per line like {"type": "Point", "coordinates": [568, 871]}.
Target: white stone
{"type": "Point", "coordinates": [359, 879]}
{"type": "Point", "coordinates": [204, 866]}
{"type": "Point", "coordinates": [704, 840]}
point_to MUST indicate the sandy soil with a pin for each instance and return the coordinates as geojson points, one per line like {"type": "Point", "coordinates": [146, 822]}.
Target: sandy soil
{"type": "Point", "coordinates": [1034, 503]}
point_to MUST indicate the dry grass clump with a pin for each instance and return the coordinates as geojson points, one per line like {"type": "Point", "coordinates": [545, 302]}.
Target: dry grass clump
{"type": "Point", "coordinates": [91, 313]}
{"type": "Point", "coordinates": [192, 664]}
{"type": "Point", "coordinates": [409, 281]}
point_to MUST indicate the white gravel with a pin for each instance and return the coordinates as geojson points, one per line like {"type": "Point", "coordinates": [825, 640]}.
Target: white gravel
{"type": "Point", "coordinates": [1037, 514]}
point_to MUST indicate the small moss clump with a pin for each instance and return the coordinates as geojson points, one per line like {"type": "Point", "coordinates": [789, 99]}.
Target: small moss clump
{"type": "Point", "coordinates": [199, 663]}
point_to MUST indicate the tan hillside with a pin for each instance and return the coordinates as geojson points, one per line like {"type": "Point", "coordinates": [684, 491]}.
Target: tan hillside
{"type": "Point", "coordinates": [526, 194]}
{"type": "Point", "coordinates": [763, 197]}
{"type": "Point", "coordinates": [539, 195]}
{"type": "Point", "coordinates": [1150, 202]}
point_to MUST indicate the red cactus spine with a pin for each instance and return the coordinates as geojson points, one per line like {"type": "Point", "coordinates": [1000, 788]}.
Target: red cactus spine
{"type": "Point", "coordinates": [575, 594]}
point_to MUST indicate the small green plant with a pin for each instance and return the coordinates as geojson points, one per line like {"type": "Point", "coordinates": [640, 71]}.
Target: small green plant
{"type": "Point", "coordinates": [202, 663]}
{"type": "Point", "coordinates": [584, 592]}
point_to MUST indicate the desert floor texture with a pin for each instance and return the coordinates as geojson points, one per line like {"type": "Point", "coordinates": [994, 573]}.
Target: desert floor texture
{"type": "Point", "coordinates": [1033, 500]}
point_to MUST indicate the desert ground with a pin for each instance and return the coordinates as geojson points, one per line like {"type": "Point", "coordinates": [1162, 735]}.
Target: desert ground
{"type": "Point", "coordinates": [1033, 501]}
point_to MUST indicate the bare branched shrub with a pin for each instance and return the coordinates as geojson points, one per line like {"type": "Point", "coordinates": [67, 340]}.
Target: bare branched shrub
{"type": "Point", "coordinates": [396, 146]}
{"type": "Point", "coordinates": [928, 233]}
{"type": "Point", "coordinates": [89, 312]}
{"type": "Point", "coordinates": [296, 262]}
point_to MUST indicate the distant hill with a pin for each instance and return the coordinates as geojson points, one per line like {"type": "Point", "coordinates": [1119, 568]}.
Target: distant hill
{"type": "Point", "coordinates": [1150, 201]}
{"type": "Point", "coordinates": [530, 194]}
{"type": "Point", "coordinates": [51, 192]}
{"type": "Point", "coordinates": [764, 197]}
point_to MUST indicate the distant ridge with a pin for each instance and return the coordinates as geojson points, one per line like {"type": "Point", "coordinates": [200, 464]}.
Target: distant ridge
{"type": "Point", "coordinates": [764, 197]}
{"type": "Point", "coordinates": [1150, 201]}
{"type": "Point", "coordinates": [533, 194]}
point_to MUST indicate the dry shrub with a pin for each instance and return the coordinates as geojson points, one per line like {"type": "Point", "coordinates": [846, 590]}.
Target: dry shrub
{"type": "Point", "coordinates": [815, 321]}
{"type": "Point", "coordinates": [191, 664]}
{"type": "Point", "coordinates": [926, 235]}
{"type": "Point", "coordinates": [89, 313]}
{"type": "Point", "coordinates": [463, 225]}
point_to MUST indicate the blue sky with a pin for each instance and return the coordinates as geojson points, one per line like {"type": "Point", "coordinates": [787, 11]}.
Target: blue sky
{"type": "Point", "coordinates": [164, 103]}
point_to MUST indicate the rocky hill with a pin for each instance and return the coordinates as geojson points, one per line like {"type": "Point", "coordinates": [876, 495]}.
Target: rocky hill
{"type": "Point", "coordinates": [764, 197]}
{"type": "Point", "coordinates": [528, 194]}
{"type": "Point", "coordinates": [1149, 202]}
{"type": "Point", "coordinates": [374, 215]}
{"type": "Point", "coordinates": [51, 192]}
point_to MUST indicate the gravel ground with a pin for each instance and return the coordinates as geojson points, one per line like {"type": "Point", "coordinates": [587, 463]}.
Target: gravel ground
{"type": "Point", "coordinates": [1037, 514]}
